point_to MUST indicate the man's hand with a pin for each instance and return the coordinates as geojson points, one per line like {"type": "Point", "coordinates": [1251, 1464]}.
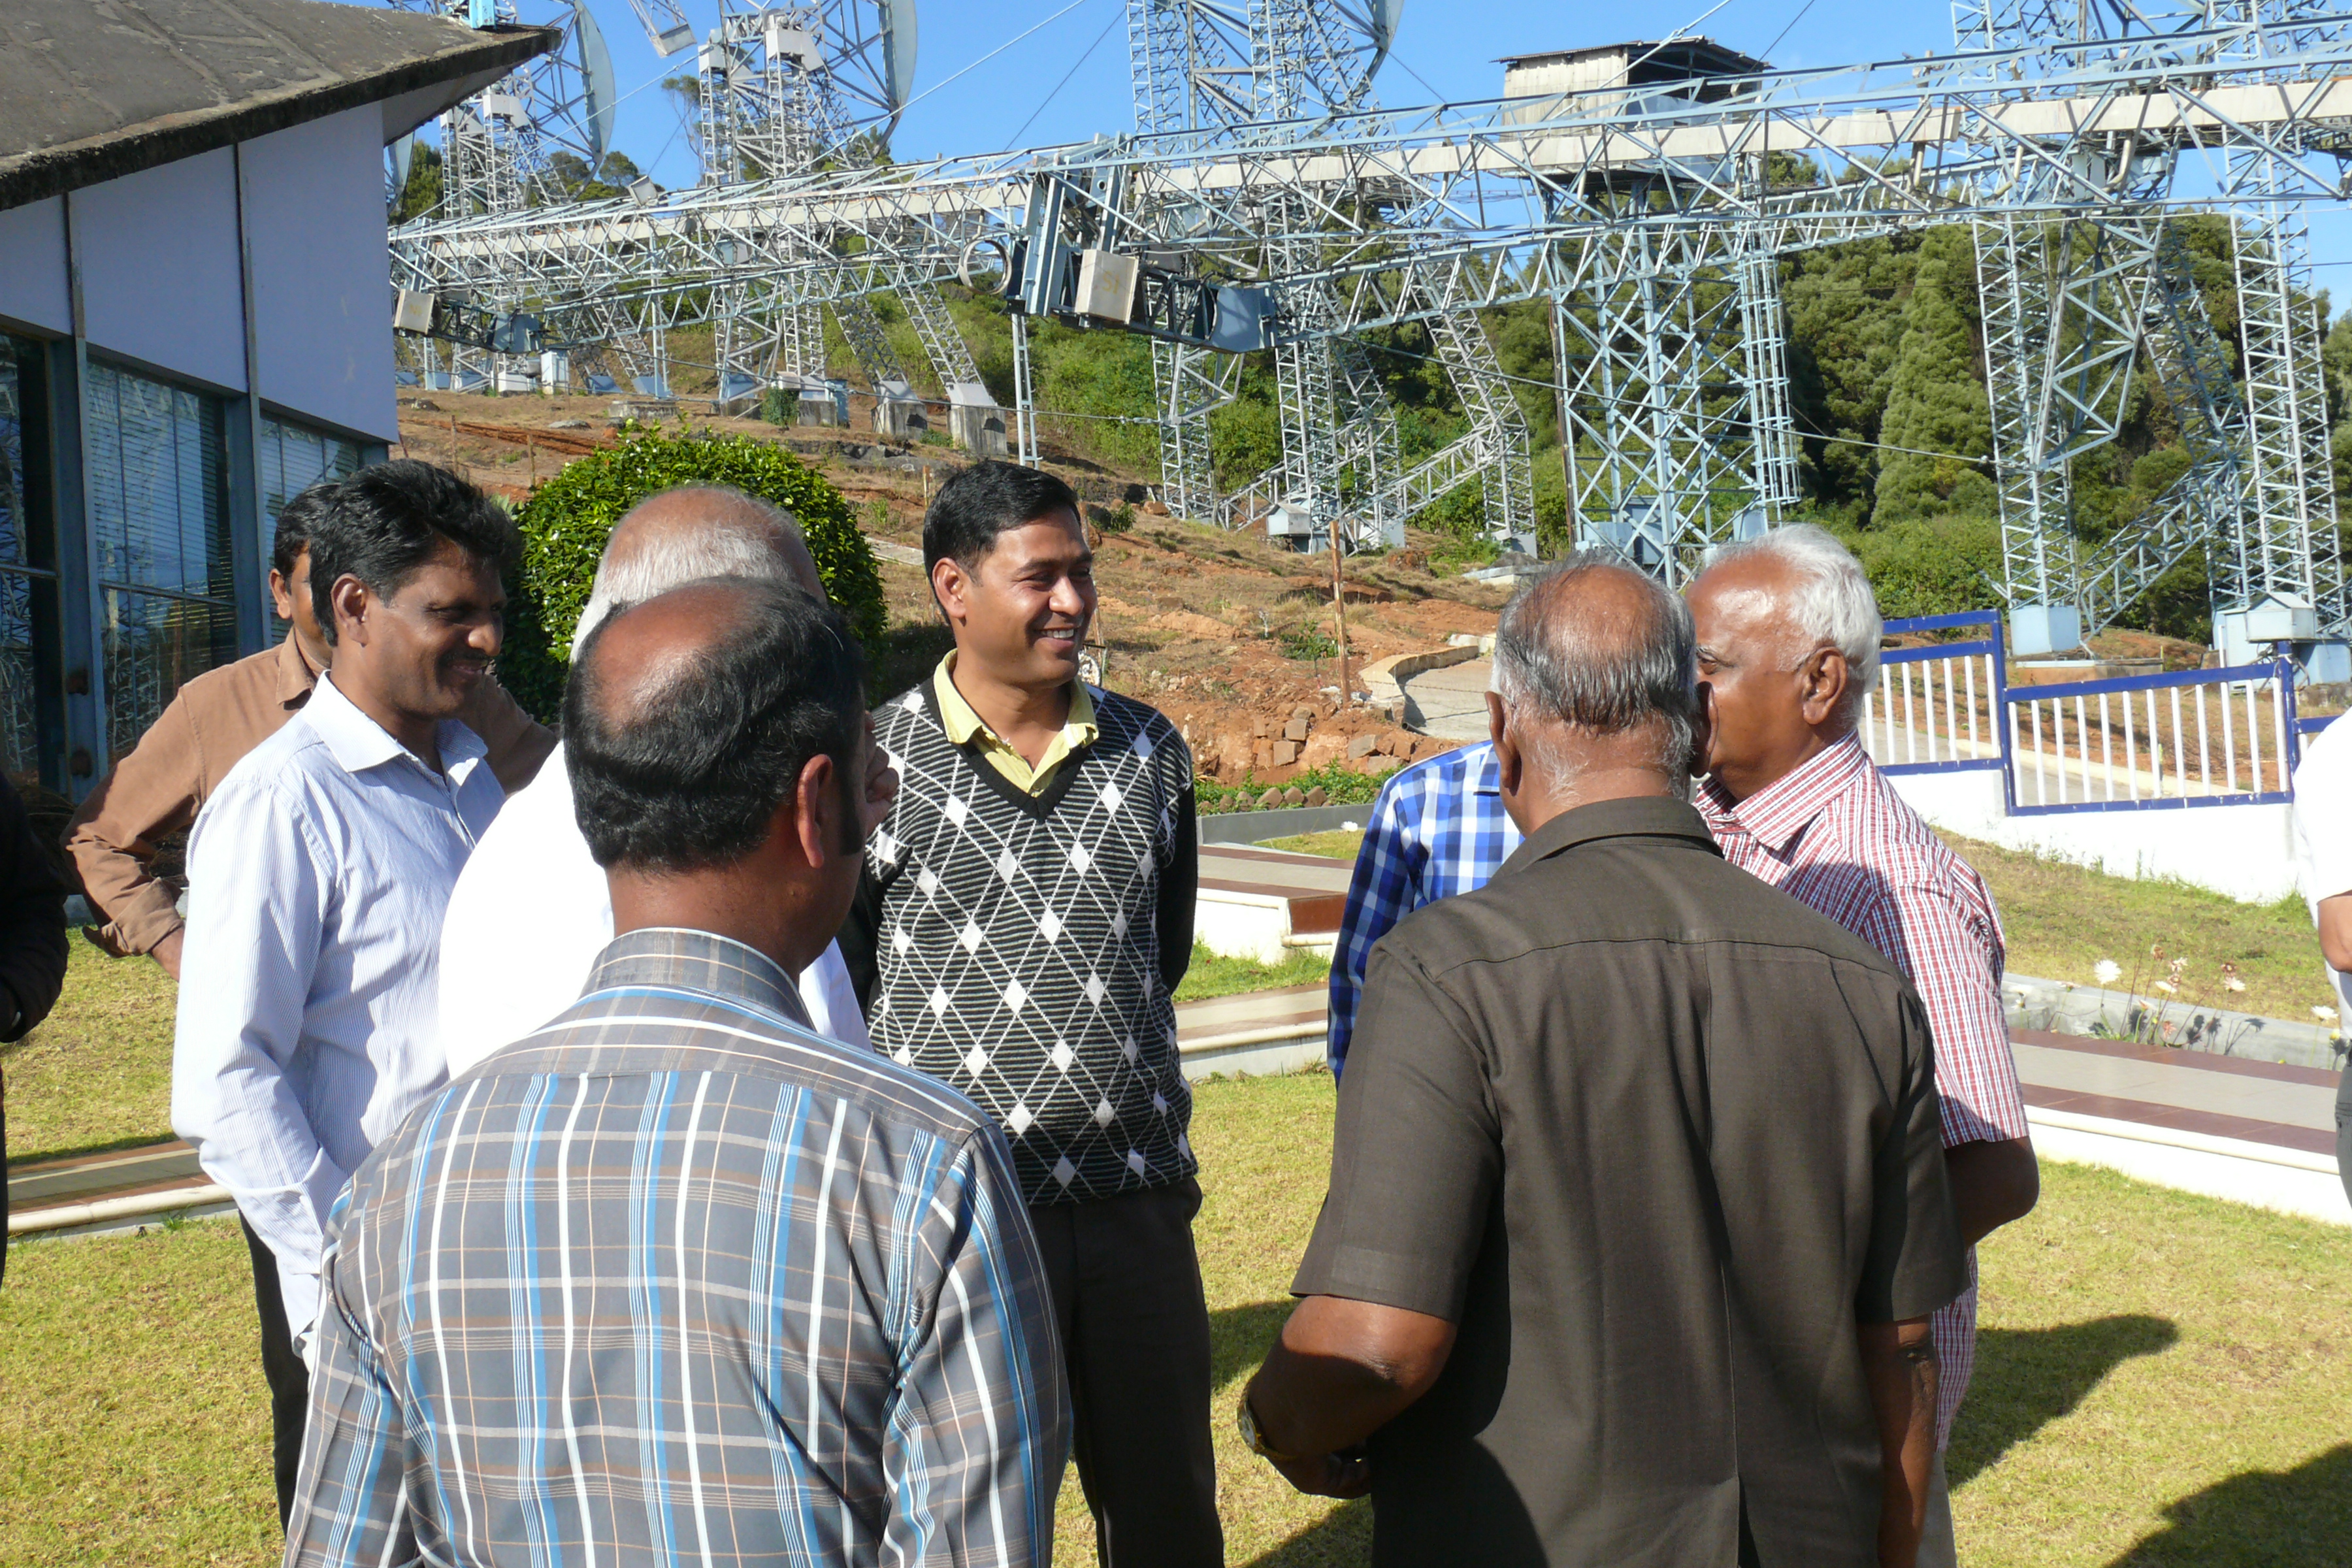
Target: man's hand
{"type": "Point", "coordinates": [1341, 1372]}
{"type": "Point", "coordinates": [1898, 1361]}
{"type": "Point", "coordinates": [167, 952]}
{"type": "Point", "coordinates": [1327, 1474]}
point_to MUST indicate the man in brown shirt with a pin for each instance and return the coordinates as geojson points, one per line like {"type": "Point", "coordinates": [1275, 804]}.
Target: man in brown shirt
{"type": "Point", "coordinates": [1638, 1208]}
{"type": "Point", "coordinates": [213, 722]}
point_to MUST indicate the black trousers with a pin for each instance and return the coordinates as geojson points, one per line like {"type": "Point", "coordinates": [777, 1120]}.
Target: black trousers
{"type": "Point", "coordinates": [281, 1366]}
{"type": "Point", "coordinates": [1135, 1330]}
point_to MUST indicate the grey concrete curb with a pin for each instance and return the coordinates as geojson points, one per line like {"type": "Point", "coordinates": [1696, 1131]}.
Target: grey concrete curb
{"type": "Point", "coordinates": [2052, 1007]}
{"type": "Point", "coordinates": [1250, 826]}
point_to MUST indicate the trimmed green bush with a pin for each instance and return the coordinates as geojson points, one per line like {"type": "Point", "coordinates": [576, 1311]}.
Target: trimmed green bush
{"type": "Point", "coordinates": [568, 518]}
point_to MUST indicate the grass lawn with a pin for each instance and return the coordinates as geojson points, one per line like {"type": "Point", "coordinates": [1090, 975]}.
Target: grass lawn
{"type": "Point", "coordinates": [2159, 1381]}
{"type": "Point", "coordinates": [97, 1072]}
{"type": "Point", "coordinates": [2062, 919]}
{"type": "Point", "coordinates": [1211, 975]}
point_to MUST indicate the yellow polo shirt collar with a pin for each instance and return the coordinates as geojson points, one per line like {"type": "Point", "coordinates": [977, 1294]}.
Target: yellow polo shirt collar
{"type": "Point", "coordinates": [963, 724]}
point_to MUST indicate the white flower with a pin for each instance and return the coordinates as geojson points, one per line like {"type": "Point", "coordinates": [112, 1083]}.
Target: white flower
{"type": "Point", "coordinates": [2109, 971]}
{"type": "Point", "coordinates": [2167, 988]}
{"type": "Point", "coordinates": [2325, 1015]}
{"type": "Point", "coordinates": [2232, 983]}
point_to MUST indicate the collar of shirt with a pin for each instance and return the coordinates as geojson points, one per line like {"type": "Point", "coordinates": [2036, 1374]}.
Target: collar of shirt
{"type": "Point", "coordinates": [1778, 814]}
{"type": "Point", "coordinates": [1638, 816]}
{"type": "Point", "coordinates": [295, 675]}
{"type": "Point", "coordinates": [1486, 775]}
{"type": "Point", "coordinates": [358, 742]}
{"type": "Point", "coordinates": [678, 958]}
{"type": "Point", "coordinates": [963, 722]}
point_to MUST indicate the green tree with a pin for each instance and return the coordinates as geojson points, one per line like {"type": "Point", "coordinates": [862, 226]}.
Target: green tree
{"type": "Point", "coordinates": [568, 518]}
{"type": "Point", "coordinates": [1937, 429]}
{"type": "Point", "coordinates": [421, 193]}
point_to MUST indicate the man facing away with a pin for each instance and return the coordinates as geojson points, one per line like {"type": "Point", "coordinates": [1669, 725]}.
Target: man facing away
{"type": "Point", "coordinates": [530, 910]}
{"type": "Point", "coordinates": [1637, 1206]}
{"type": "Point", "coordinates": [1788, 634]}
{"type": "Point", "coordinates": [2323, 837]}
{"type": "Point", "coordinates": [1026, 915]}
{"type": "Point", "coordinates": [318, 871]}
{"type": "Point", "coordinates": [209, 724]}
{"type": "Point", "coordinates": [676, 1280]}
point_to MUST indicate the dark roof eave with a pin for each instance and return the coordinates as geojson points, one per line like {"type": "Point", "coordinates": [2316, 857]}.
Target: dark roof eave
{"type": "Point", "coordinates": [34, 177]}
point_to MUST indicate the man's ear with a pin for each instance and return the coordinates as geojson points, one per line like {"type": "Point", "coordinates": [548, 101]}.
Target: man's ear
{"type": "Point", "coordinates": [1826, 678]}
{"type": "Point", "coordinates": [816, 807]}
{"type": "Point", "coordinates": [951, 587]}
{"type": "Point", "coordinates": [1508, 759]}
{"type": "Point", "coordinates": [348, 601]}
{"type": "Point", "coordinates": [281, 594]}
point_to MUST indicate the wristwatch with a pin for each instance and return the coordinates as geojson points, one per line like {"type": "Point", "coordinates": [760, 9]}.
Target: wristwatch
{"type": "Point", "coordinates": [1254, 1440]}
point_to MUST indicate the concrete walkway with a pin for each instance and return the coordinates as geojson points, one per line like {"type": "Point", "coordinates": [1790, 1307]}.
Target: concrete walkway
{"type": "Point", "coordinates": [2253, 1132]}
{"type": "Point", "coordinates": [1450, 703]}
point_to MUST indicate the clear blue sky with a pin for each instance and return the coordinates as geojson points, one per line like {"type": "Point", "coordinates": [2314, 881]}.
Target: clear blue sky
{"type": "Point", "coordinates": [1446, 49]}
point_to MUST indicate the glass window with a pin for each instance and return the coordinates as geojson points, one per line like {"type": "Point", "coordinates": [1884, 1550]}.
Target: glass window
{"type": "Point", "coordinates": [292, 459]}
{"type": "Point", "coordinates": [28, 579]}
{"type": "Point", "coordinates": [159, 511]}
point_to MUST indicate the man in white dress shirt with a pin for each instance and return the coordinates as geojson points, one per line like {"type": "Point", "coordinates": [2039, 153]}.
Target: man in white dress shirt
{"type": "Point", "coordinates": [318, 872]}
{"type": "Point", "coordinates": [532, 910]}
{"type": "Point", "coordinates": [2323, 837]}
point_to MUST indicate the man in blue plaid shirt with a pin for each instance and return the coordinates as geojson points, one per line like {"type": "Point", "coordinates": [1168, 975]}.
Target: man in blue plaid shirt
{"type": "Point", "coordinates": [1437, 830]}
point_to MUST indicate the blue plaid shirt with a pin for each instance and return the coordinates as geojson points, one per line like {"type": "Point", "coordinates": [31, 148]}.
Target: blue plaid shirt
{"type": "Point", "coordinates": [676, 1280]}
{"type": "Point", "coordinates": [1438, 829]}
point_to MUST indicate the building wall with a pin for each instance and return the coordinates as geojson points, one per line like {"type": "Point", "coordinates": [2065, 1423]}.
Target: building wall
{"type": "Point", "coordinates": [186, 348]}
{"type": "Point", "coordinates": [163, 279]}
{"type": "Point", "coordinates": [322, 276]}
{"type": "Point", "coordinates": [160, 282]}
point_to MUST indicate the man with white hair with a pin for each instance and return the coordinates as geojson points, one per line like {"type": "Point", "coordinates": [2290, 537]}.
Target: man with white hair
{"type": "Point", "coordinates": [531, 910]}
{"type": "Point", "coordinates": [1638, 1208]}
{"type": "Point", "coordinates": [1788, 645]}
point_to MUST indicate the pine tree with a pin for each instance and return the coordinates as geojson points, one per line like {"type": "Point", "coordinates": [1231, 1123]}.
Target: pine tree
{"type": "Point", "coordinates": [1938, 425]}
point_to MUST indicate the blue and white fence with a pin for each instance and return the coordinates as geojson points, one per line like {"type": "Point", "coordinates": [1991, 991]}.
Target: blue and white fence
{"type": "Point", "coordinates": [2193, 738]}
{"type": "Point", "coordinates": [2190, 738]}
{"type": "Point", "coordinates": [1936, 709]}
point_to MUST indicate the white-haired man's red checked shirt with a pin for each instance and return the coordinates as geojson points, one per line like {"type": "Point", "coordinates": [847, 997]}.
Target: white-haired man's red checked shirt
{"type": "Point", "coordinates": [1836, 836]}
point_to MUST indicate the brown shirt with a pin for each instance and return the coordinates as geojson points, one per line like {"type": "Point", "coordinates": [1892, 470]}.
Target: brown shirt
{"type": "Point", "coordinates": [1653, 1137]}
{"type": "Point", "coordinates": [211, 723]}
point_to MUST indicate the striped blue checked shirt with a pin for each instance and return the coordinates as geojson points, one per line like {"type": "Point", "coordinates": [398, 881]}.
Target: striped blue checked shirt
{"type": "Point", "coordinates": [1438, 828]}
{"type": "Point", "coordinates": [678, 1280]}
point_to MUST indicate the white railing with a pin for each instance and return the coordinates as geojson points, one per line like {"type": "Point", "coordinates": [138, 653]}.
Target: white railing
{"type": "Point", "coordinates": [2197, 737]}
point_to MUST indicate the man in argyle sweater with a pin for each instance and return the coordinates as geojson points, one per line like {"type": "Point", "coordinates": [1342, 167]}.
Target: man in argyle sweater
{"type": "Point", "coordinates": [1023, 919]}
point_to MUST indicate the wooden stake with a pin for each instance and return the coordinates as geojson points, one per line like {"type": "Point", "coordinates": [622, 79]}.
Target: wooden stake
{"type": "Point", "coordinates": [1340, 611]}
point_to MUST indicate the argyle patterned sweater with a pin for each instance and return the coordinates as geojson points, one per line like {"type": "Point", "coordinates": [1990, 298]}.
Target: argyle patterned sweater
{"type": "Point", "coordinates": [1025, 949]}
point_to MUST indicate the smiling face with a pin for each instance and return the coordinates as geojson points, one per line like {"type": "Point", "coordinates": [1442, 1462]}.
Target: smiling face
{"type": "Point", "coordinates": [1022, 610]}
{"type": "Point", "coordinates": [427, 646]}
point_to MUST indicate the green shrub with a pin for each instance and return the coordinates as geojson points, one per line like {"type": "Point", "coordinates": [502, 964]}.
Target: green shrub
{"type": "Point", "coordinates": [1341, 786]}
{"type": "Point", "coordinates": [568, 518]}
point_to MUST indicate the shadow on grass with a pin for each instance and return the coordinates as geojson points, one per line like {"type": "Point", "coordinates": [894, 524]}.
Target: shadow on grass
{"type": "Point", "coordinates": [2301, 1519]}
{"type": "Point", "coordinates": [2027, 1378]}
{"type": "Point", "coordinates": [1342, 1540]}
{"type": "Point", "coordinates": [1239, 1338]}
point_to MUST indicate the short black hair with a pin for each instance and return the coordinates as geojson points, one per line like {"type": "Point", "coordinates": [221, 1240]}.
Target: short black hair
{"type": "Point", "coordinates": [295, 522]}
{"type": "Point", "coordinates": [690, 776]}
{"type": "Point", "coordinates": [983, 500]}
{"type": "Point", "coordinates": [384, 522]}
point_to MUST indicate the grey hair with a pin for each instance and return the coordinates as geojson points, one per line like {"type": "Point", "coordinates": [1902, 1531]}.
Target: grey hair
{"type": "Point", "coordinates": [1588, 674]}
{"type": "Point", "coordinates": [736, 537]}
{"type": "Point", "coordinates": [1834, 606]}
